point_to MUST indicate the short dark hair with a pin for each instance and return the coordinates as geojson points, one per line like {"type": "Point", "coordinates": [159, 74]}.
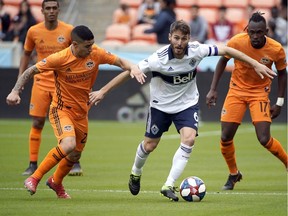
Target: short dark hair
{"type": "Point", "coordinates": [181, 26]}
{"type": "Point", "coordinates": [256, 17]}
{"type": "Point", "coordinates": [44, 1]}
{"type": "Point", "coordinates": [81, 33]}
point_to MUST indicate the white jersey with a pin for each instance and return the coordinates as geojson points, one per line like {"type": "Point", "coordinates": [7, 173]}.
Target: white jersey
{"type": "Point", "coordinates": [173, 85]}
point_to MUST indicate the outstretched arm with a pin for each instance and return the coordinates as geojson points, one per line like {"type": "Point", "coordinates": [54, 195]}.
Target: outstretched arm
{"type": "Point", "coordinates": [96, 96]}
{"type": "Point", "coordinates": [132, 68]}
{"type": "Point", "coordinates": [13, 98]}
{"type": "Point", "coordinates": [260, 69]}
{"type": "Point", "coordinates": [211, 97]}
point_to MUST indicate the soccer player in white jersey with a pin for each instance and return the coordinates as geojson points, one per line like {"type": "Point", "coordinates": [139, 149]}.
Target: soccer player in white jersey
{"type": "Point", "coordinates": [173, 98]}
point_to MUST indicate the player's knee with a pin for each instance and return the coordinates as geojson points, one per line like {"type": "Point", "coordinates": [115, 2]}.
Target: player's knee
{"type": "Point", "coordinates": [74, 156]}
{"type": "Point", "coordinates": [68, 144]}
{"type": "Point", "coordinates": [264, 139]}
{"type": "Point", "coordinates": [150, 146]}
{"type": "Point", "coordinates": [38, 122]}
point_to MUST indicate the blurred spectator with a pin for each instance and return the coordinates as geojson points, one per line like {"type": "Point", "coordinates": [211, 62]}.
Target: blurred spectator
{"type": "Point", "coordinates": [271, 32]}
{"type": "Point", "coordinates": [163, 21]}
{"type": "Point", "coordinates": [123, 15]}
{"type": "Point", "coordinates": [21, 23]}
{"type": "Point", "coordinates": [280, 25]}
{"type": "Point", "coordinates": [198, 25]}
{"type": "Point", "coordinates": [241, 26]}
{"type": "Point", "coordinates": [4, 21]}
{"type": "Point", "coordinates": [222, 29]}
{"type": "Point", "coordinates": [148, 11]}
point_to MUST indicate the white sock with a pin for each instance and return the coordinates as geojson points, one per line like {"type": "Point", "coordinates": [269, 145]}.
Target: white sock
{"type": "Point", "coordinates": [140, 159]}
{"type": "Point", "coordinates": [180, 160]}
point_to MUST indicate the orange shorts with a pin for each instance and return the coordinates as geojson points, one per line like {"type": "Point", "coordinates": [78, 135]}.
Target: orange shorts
{"type": "Point", "coordinates": [64, 125]}
{"type": "Point", "coordinates": [40, 101]}
{"type": "Point", "coordinates": [236, 104]}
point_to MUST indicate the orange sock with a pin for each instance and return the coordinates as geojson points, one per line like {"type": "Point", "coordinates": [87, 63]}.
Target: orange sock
{"type": "Point", "coordinates": [34, 143]}
{"type": "Point", "coordinates": [62, 170]}
{"type": "Point", "coordinates": [228, 152]}
{"type": "Point", "coordinates": [52, 158]}
{"type": "Point", "coordinates": [275, 147]}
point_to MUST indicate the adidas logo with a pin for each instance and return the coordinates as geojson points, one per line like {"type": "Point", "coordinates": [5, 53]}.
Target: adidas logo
{"type": "Point", "coordinates": [68, 70]}
{"type": "Point", "coordinates": [170, 69]}
{"type": "Point", "coordinates": [41, 41]}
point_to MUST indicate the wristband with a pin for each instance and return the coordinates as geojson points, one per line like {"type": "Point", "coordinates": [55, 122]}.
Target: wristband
{"type": "Point", "coordinates": [280, 101]}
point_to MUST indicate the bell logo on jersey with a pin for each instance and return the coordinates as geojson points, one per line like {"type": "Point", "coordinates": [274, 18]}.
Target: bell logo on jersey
{"type": "Point", "coordinates": [90, 64]}
{"type": "Point", "coordinates": [182, 79]}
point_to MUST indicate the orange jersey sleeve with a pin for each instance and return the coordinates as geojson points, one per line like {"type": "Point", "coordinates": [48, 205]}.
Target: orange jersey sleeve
{"type": "Point", "coordinates": [74, 77]}
{"type": "Point", "coordinates": [244, 76]}
{"type": "Point", "coordinates": [47, 42]}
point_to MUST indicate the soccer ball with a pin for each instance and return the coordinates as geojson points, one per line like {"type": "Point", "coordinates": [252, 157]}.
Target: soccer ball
{"type": "Point", "coordinates": [192, 189]}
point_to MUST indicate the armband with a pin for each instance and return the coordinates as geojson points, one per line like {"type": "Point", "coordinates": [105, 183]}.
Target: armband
{"type": "Point", "coordinates": [280, 101]}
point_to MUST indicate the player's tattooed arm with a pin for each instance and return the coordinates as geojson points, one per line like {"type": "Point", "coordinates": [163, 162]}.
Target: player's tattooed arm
{"type": "Point", "coordinates": [25, 77]}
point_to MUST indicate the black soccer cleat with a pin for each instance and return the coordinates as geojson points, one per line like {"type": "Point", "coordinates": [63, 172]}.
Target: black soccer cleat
{"type": "Point", "coordinates": [30, 170]}
{"type": "Point", "coordinates": [134, 184]}
{"type": "Point", "coordinates": [169, 192]}
{"type": "Point", "coordinates": [232, 179]}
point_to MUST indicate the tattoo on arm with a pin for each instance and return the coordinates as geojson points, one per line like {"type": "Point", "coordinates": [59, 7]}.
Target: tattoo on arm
{"type": "Point", "coordinates": [23, 79]}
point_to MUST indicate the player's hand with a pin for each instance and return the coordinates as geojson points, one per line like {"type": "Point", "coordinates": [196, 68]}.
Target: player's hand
{"type": "Point", "coordinates": [211, 98]}
{"type": "Point", "coordinates": [138, 74]}
{"type": "Point", "coordinates": [263, 70]}
{"type": "Point", "coordinates": [275, 111]}
{"type": "Point", "coordinates": [95, 97]}
{"type": "Point", "coordinates": [13, 98]}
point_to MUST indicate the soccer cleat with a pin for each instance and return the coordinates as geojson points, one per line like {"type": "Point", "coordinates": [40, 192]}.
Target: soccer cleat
{"type": "Point", "coordinates": [134, 184]}
{"type": "Point", "coordinates": [232, 179]}
{"type": "Point", "coordinates": [30, 170]}
{"type": "Point", "coordinates": [31, 184]}
{"type": "Point", "coordinates": [76, 170]}
{"type": "Point", "coordinates": [169, 192]}
{"type": "Point", "coordinates": [59, 189]}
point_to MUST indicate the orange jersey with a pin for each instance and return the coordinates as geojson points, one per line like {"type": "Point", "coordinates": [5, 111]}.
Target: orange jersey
{"type": "Point", "coordinates": [47, 42]}
{"type": "Point", "coordinates": [244, 77]}
{"type": "Point", "coordinates": [74, 77]}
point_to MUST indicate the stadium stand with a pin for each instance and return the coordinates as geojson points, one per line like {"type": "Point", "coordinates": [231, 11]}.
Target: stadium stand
{"type": "Point", "coordinates": [131, 3]}
{"type": "Point", "coordinates": [121, 32]}
{"type": "Point", "coordinates": [138, 33]}
{"type": "Point", "coordinates": [185, 3]}
{"type": "Point", "coordinates": [183, 14]}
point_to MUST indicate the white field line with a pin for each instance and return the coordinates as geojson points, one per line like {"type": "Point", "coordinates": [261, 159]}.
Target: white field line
{"type": "Point", "coordinates": [156, 192]}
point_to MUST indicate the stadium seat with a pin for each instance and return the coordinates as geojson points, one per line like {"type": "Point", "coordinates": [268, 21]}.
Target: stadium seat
{"type": "Point", "coordinates": [263, 4]}
{"type": "Point", "coordinates": [35, 2]}
{"type": "Point", "coordinates": [138, 43]}
{"type": "Point", "coordinates": [120, 32]}
{"type": "Point", "coordinates": [133, 14]}
{"type": "Point", "coordinates": [235, 3]}
{"type": "Point", "coordinates": [36, 11]}
{"type": "Point", "coordinates": [235, 15]}
{"type": "Point", "coordinates": [210, 14]}
{"type": "Point", "coordinates": [12, 2]}
{"type": "Point", "coordinates": [111, 43]}
{"type": "Point", "coordinates": [183, 14]}
{"type": "Point", "coordinates": [266, 12]}
{"type": "Point", "coordinates": [185, 3]}
{"type": "Point", "coordinates": [138, 33]}
{"type": "Point", "coordinates": [12, 10]}
{"type": "Point", "coordinates": [209, 3]}
{"type": "Point", "coordinates": [131, 3]}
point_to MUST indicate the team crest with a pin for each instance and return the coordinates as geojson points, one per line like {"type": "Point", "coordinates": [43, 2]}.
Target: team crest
{"type": "Point", "coordinates": [61, 39]}
{"type": "Point", "coordinates": [192, 62]}
{"type": "Point", "coordinates": [67, 128]}
{"type": "Point", "coordinates": [90, 64]}
{"type": "Point", "coordinates": [223, 112]}
{"type": "Point", "coordinates": [154, 129]}
{"type": "Point", "coordinates": [265, 60]}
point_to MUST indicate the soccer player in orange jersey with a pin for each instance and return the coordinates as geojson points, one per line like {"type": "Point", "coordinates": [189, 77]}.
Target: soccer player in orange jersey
{"type": "Point", "coordinates": [75, 71]}
{"type": "Point", "coordinates": [47, 37]}
{"type": "Point", "coordinates": [247, 89]}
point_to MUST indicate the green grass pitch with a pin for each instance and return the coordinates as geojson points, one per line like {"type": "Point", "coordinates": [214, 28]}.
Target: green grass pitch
{"type": "Point", "coordinates": [107, 161]}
